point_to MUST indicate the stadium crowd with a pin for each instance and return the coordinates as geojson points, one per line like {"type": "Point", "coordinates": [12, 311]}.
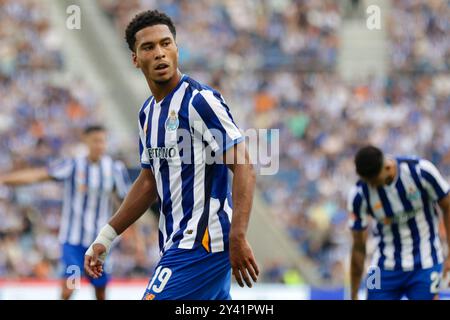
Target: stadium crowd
{"type": "Point", "coordinates": [274, 62]}
{"type": "Point", "coordinates": [40, 120]}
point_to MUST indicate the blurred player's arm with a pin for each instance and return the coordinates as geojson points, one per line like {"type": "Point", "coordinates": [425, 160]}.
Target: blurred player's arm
{"type": "Point", "coordinates": [57, 171]}
{"type": "Point", "coordinates": [25, 176]}
{"type": "Point", "coordinates": [244, 179]}
{"type": "Point", "coordinates": [358, 257]}
{"type": "Point", "coordinates": [140, 197]}
{"type": "Point", "coordinates": [444, 204]}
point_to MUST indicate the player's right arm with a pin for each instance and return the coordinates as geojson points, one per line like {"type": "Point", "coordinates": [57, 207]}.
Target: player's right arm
{"type": "Point", "coordinates": [358, 224]}
{"type": "Point", "coordinates": [140, 197]}
{"type": "Point", "coordinates": [25, 176]}
{"type": "Point", "coordinates": [358, 257]}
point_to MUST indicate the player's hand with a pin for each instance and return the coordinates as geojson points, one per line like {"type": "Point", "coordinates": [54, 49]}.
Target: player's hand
{"type": "Point", "coordinates": [242, 261]}
{"type": "Point", "coordinates": [93, 260]}
{"type": "Point", "coordinates": [446, 271]}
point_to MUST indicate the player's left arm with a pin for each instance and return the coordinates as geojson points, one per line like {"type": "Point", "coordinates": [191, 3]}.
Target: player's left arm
{"type": "Point", "coordinates": [242, 259]}
{"type": "Point", "coordinates": [218, 129]}
{"type": "Point", "coordinates": [444, 204]}
{"type": "Point", "coordinates": [439, 191]}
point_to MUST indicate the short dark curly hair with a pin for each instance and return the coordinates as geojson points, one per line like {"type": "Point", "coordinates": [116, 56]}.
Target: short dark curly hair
{"type": "Point", "coordinates": [147, 19]}
{"type": "Point", "coordinates": [94, 128]}
{"type": "Point", "coordinates": [369, 161]}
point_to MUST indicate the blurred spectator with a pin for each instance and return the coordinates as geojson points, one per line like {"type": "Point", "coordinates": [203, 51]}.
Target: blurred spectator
{"type": "Point", "coordinates": [419, 35]}
{"type": "Point", "coordinates": [39, 120]}
{"type": "Point", "coordinates": [237, 35]}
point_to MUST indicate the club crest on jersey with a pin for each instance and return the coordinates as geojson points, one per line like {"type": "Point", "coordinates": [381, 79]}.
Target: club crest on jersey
{"type": "Point", "coordinates": [378, 206]}
{"type": "Point", "coordinates": [413, 194]}
{"type": "Point", "coordinates": [172, 122]}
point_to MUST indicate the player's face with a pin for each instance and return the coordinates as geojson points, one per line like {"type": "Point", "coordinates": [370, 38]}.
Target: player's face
{"type": "Point", "coordinates": [96, 143]}
{"type": "Point", "coordinates": [156, 53]}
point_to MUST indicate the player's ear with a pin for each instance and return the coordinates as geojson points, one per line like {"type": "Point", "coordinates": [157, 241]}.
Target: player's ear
{"type": "Point", "coordinates": [388, 165]}
{"type": "Point", "coordinates": [134, 59]}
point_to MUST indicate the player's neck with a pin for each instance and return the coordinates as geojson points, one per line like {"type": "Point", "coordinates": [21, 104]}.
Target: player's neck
{"type": "Point", "coordinates": [162, 90]}
{"type": "Point", "coordinates": [94, 159]}
{"type": "Point", "coordinates": [394, 170]}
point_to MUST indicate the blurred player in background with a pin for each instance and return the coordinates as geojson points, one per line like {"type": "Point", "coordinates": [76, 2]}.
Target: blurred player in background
{"type": "Point", "coordinates": [199, 241]}
{"type": "Point", "coordinates": [400, 195]}
{"type": "Point", "coordinates": [89, 184]}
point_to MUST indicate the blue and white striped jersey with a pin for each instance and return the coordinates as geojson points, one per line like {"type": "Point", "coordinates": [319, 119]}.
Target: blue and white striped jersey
{"type": "Point", "coordinates": [176, 135]}
{"type": "Point", "coordinates": [88, 190]}
{"type": "Point", "coordinates": [405, 216]}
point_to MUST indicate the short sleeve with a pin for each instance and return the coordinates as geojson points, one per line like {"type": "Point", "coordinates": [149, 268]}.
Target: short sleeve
{"type": "Point", "coordinates": [143, 118]}
{"type": "Point", "coordinates": [432, 180]}
{"type": "Point", "coordinates": [61, 169]}
{"type": "Point", "coordinates": [122, 180]}
{"type": "Point", "coordinates": [358, 210]}
{"type": "Point", "coordinates": [210, 116]}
